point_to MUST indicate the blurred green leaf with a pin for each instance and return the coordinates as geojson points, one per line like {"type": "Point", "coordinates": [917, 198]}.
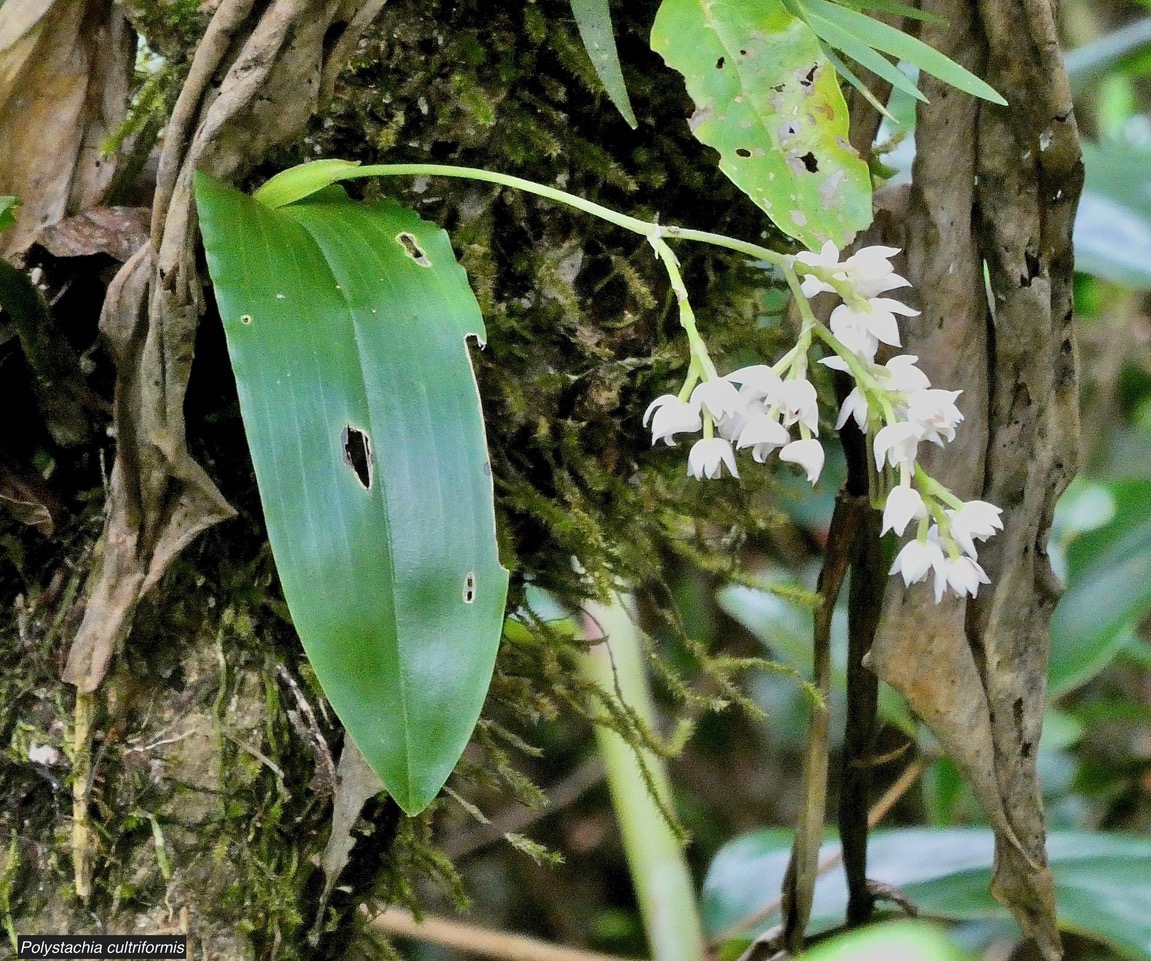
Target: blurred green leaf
{"type": "Point", "coordinates": [1109, 579]}
{"type": "Point", "coordinates": [784, 628]}
{"type": "Point", "coordinates": [899, 941]}
{"type": "Point", "coordinates": [1102, 881]}
{"type": "Point", "coordinates": [1095, 59]}
{"type": "Point", "coordinates": [346, 325]}
{"type": "Point", "coordinates": [767, 99]}
{"type": "Point", "coordinates": [8, 208]}
{"type": "Point", "coordinates": [1113, 226]}
{"type": "Point", "coordinates": [593, 18]}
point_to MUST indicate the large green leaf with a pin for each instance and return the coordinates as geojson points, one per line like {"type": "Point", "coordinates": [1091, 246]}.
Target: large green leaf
{"type": "Point", "coordinates": [1109, 579]}
{"type": "Point", "coordinates": [593, 18]}
{"type": "Point", "coordinates": [1102, 881]}
{"type": "Point", "coordinates": [346, 325]}
{"type": "Point", "coordinates": [768, 100]}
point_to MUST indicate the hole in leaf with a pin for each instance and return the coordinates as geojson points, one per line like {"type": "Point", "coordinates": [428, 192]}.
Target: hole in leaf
{"type": "Point", "coordinates": [470, 588]}
{"type": "Point", "coordinates": [246, 319]}
{"type": "Point", "coordinates": [358, 454]}
{"type": "Point", "coordinates": [413, 249]}
{"type": "Point", "coordinates": [808, 80]}
{"type": "Point", "coordinates": [810, 162]}
{"type": "Point", "coordinates": [719, 64]}
{"type": "Point", "coordinates": [743, 151]}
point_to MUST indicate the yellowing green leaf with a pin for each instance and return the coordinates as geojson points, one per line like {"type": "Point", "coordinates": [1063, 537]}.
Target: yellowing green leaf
{"type": "Point", "coordinates": [768, 100]}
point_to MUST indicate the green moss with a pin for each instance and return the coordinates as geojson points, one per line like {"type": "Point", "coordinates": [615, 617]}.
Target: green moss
{"type": "Point", "coordinates": [202, 738]}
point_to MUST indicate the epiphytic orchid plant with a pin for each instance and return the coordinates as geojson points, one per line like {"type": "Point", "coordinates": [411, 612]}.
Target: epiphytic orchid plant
{"type": "Point", "coordinates": [769, 101]}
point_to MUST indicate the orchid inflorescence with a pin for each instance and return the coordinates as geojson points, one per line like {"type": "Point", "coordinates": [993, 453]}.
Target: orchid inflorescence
{"type": "Point", "coordinates": [773, 408]}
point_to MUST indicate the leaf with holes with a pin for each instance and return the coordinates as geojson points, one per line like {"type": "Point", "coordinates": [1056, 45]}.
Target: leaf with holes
{"type": "Point", "coordinates": [346, 325]}
{"type": "Point", "coordinates": [768, 100]}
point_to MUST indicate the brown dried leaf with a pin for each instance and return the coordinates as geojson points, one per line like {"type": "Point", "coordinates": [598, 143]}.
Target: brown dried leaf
{"type": "Point", "coordinates": [257, 78]}
{"type": "Point", "coordinates": [65, 70]}
{"type": "Point", "coordinates": [24, 494]}
{"type": "Point", "coordinates": [356, 784]}
{"type": "Point", "coordinates": [116, 231]}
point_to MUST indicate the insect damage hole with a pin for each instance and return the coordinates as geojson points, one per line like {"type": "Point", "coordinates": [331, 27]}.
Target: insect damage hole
{"type": "Point", "coordinates": [809, 161]}
{"type": "Point", "coordinates": [470, 588]}
{"type": "Point", "coordinates": [413, 249]}
{"type": "Point", "coordinates": [357, 447]}
{"type": "Point", "coordinates": [742, 152]}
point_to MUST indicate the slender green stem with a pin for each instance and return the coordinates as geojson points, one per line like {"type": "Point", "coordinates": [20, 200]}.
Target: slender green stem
{"type": "Point", "coordinates": [929, 484]}
{"type": "Point", "coordinates": [652, 231]}
{"type": "Point", "coordinates": [659, 870]}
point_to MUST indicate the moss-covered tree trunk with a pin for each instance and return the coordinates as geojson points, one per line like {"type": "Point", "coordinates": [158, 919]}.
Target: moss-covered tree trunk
{"type": "Point", "coordinates": [169, 762]}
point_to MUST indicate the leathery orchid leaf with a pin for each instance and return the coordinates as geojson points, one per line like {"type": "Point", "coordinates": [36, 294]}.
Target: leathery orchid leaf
{"type": "Point", "coordinates": [346, 325]}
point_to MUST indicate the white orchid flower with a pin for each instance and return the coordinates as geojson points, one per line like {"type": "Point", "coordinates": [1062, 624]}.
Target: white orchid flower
{"type": "Point", "coordinates": [963, 575]}
{"type": "Point", "coordinates": [917, 559]}
{"type": "Point", "coordinates": [763, 434]}
{"type": "Point", "coordinates": [670, 416]}
{"type": "Point", "coordinates": [896, 444]}
{"type": "Point", "coordinates": [758, 380]}
{"type": "Point", "coordinates": [709, 456]}
{"type": "Point", "coordinates": [854, 405]}
{"type": "Point", "coordinates": [935, 413]}
{"type": "Point", "coordinates": [808, 454]}
{"type": "Point", "coordinates": [877, 318]}
{"type": "Point", "coordinates": [904, 504]}
{"type": "Point", "coordinates": [974, 520]}
{"type": "Point", "coordinates": [719, 398]}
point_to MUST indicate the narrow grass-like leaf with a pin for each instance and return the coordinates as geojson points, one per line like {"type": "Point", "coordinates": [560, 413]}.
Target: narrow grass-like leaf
{"type": "Point", "coordinates": [1095, 59]}
{"type": "Point", "coordinates": [593, 18]}
{"type": "Point", "coordinates": [894, 8]}
{"type": "Point", "coordinates": [769, 102]}
{"type": "Point", "coordinates": [849, 75]}
{"type": "Point", "coordinates": [346, 326]}
{"type": "Point", "coordinates": [883, 37]}
{"type": "Point", "coordinates": [861, 53]}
